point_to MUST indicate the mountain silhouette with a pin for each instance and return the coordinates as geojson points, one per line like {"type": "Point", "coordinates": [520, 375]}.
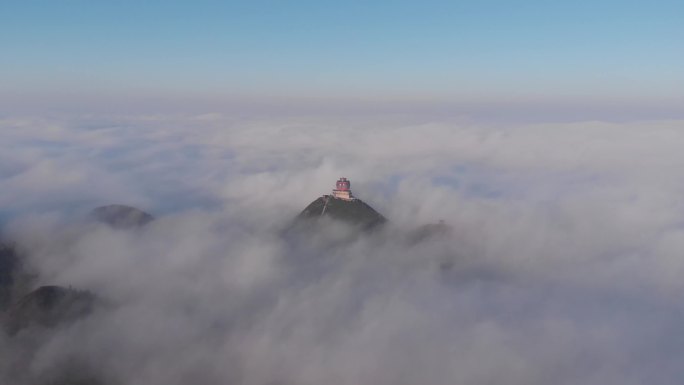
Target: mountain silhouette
{"type": "Point", "coordinates": [9, 264]}
{"type": "Point", "coordinates": [15, 280]}
{"type": "Point", "coordinates": [121, 216]}
{"type": "Point", "coordinates": [342, 206]}
{"type": "Point", "coordinates": [48, 307]}
{"type": "Point", "coordinates": [354, 212]}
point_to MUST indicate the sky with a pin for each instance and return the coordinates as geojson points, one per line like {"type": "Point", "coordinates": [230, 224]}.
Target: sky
{"type": "Point", "coordinates": [580, 53]}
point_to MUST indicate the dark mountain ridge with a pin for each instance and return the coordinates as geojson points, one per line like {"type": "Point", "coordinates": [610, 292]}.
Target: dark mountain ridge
{"type": "Point", "coordinates": [9, 262]}
{"type": "Point", "coordinates": [341, 206]}
{"type": "Point", "coordinates": [354, 212]}
{"type": "Point", "coordinates": [48, 307]}
{"type": "Point", "coordinates": [121, 216]}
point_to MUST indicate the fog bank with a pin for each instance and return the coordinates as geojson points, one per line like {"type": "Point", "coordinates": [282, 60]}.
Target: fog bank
{"type": "Point", "coordinates": [564, 265]}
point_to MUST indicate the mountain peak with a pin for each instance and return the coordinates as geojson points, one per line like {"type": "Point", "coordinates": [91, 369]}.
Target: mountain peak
{"type": "Point", "coordinates": [342, 205]}
{"type": "Point", "coordinates": [121, 216]}
{"type": "Point", "coordinates": [49, 306]}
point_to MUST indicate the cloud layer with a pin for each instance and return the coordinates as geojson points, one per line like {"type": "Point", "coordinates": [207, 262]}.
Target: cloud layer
{"type": "Point", "coordinates": [564, 267]}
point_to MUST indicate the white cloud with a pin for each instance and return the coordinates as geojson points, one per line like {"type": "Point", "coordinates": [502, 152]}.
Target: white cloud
{"type": "Point", "coordinates": [564, 265]}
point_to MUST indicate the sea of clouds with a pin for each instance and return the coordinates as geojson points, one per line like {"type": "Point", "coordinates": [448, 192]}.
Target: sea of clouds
{"type": "Point", "coordinates": [565, 266]}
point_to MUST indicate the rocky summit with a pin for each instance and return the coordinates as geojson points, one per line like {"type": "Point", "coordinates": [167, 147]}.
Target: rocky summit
{"type": "Point", "coordinates": [354, 212]}
{"type": "Point", "coordinates": [342, 205]}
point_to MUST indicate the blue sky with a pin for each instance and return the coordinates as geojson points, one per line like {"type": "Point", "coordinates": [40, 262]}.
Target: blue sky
{"type": "Point", "coordinates": [603, 50]}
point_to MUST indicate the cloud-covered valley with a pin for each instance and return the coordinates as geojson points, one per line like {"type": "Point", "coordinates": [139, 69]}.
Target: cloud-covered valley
{"type": "Point", "coordinates": [564, 266]}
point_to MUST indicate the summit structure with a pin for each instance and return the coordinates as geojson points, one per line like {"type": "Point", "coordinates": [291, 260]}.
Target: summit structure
{"type": "Point", "coordinates": [343, 206]}
{"type": "Point", "coordinates": [343, 190]}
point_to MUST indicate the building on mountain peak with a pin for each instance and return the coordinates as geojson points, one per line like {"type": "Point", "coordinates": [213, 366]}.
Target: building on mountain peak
{"type": "Point", "coordinates": [342, 206]}
{"type": "Point", "coordinates": [343, 190]}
